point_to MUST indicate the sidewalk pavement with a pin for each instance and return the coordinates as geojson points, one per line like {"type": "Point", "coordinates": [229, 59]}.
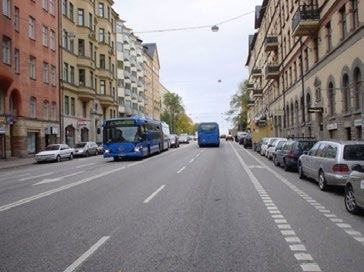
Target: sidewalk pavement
{"type": "Point", "coordinates": [15, 162]}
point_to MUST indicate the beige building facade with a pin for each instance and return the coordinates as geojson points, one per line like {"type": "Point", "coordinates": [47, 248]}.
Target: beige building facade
{"type": "Point", "coordinates": [306, 69]}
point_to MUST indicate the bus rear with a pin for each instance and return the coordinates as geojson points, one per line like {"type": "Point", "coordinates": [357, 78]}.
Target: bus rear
{"type": "Point", "coordinates": [208, 134]}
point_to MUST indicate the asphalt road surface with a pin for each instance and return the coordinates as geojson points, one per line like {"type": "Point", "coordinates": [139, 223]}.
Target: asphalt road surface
{"type": "Point", "coordinates": [187, 209]}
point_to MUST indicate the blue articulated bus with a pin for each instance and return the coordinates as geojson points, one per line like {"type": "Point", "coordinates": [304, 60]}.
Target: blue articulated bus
{"type": "Point", "coordinates": [133, 137]}
{"type": "Point", "coordinates": [208, 134]}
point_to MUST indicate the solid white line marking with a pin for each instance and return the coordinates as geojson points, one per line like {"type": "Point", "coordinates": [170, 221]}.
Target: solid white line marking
{"type": "Point", "coordinates": [39, 176]}
{"type": "Point", "coordinates": [148, 199]}
{"type": "Point", "coordinates": [57, 179]}
{"type": "Point", "coordinates": [87, 254]}
{"type": "Point", "coordinates": [180, 170]}
{"type": "Point", "coordinates": [84, 165]}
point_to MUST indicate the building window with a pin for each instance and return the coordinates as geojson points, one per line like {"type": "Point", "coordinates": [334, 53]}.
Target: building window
{"type": "Point", "coordinates": [66, 105]}
{"type": "Point", "coordinates": [101, 10]}
{"type": "Point", "coordinates": [71, 12]}
{"type": "Point", "coordinates": [354, 4]}
{"type": "Point", "coordinates": [328, 37]}
{"type": "Point", "coordinates": [84, 109]}
{"type": "Point", "coordinates": [102, 61]}
{"type": "Point", "coordinates": [91, 50]}
{"type": "Point", "coordinates": [65, 72]}
{"type": "Point", "coordinates": [357, 86]}
{"type": "Point", "coordinates": [32, 28]}
{"type": "Point", "coordinates": [6, 8]}
{"type": "Point", "coordinates": [343, 25]}
{"type": "Point", "coordinates": [53, 75]}
{"type": "Point", "coordinates": [72, 75]}
{"type": "Point", "coordinates": [16, 19]}
{"type": "Point", "coordinates": [16, 61]}
{"type": "Point", "coordinates": [6, 50]}
{"type": "Point", "coordinates": [54, 111]}
{"type": "Point", "coordinates": [81, 77]}
{"type": "Point", "coordinates": [331, 99]}
{"type": "Point", "coordinates": [102, 35]}
{"type": "Point", "coordinates": [33, 107]}
{"type": "Point", "coordinates": [65, 39]}
{"type": "Point", "coordinates": [46, 110]}
{"type": "Point", "coordinates": [102, 86]}
{"type": "Point", "coordinates": [90, 20]}
{"type": "Point", "coordinates": [45, 35]}
{"type": "Point", "coordinates": [32, 66]}
{"type": "Point", "coordinates": [80, 17]}
{"type": "Point", "coordinates": [81, 47]}
{"type": "Point", "coordinates": [45, 72]}
{"type": "Point", "coordinates": [64, 7]}
{"type": "Point", "coordinates": [92, 79]}
{"type": "Point", "coordinates": [53, 40]}
{"type": "Point", "coordinates": [45, 4]}
{"type": "Point", "coordinates": [346, 93]}
{"type": "Point", "coordinates": [73, 106]}
{"type": "Point", "coordinates": [51, 7]}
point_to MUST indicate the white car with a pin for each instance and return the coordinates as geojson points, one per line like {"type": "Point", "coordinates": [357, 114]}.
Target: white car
{"type": "Point", "coordinates": [277, 143]}
{"type": "Point", "coordinates": [55, 152]}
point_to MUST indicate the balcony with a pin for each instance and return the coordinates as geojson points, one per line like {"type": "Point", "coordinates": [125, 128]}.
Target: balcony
{"type": "Point", "coordinates": [256, 72]}
{"type": "Point", "coordinates": [250, 103]}
{"type": "Point", "coordinates": [306, 20]}
{"type": "Point", "coordinates": [250, 86]}
{"type": "Point", "coordinates": [272, 71]}
{"type": "Point", "coordinates": [271, 43]}
{"type": "Point", "coordinates": [106, 100]}
{"type": "Point", "coordinates": [127, 92]}
{"type": "Point", "coordinates": [257, 92]}
{"type": "Point", "coordinates": [85, 93]}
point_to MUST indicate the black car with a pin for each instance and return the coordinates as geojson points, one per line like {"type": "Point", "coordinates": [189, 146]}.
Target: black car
{"type": "Point", "coordinates": [247, 142]}
{"type": "Point", "coordinates": [174, 140]}
{"type": "Point", "coordinates": [287, 156]}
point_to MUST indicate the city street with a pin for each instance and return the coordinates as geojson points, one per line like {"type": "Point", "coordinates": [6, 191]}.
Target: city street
{"type": "Point", "coordinates": [187, 209]}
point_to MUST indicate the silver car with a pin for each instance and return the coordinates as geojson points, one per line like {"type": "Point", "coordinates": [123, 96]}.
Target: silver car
{"type": "Point", "coordinates": [86, 149]}
{"type": "Point", "coordinates": [330, 162]}
{"type": "Point", "coordinates": [354, 190]}
{"type": "Point", "coordinates": [55, 152]}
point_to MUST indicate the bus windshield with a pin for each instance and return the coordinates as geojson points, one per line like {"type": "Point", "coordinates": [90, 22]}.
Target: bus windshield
{"type": "Point", "coordinates": [120, 134]}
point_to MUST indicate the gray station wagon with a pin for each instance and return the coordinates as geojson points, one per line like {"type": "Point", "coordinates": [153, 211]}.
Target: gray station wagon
{"type": "Point", "coordinates": [330, 162]}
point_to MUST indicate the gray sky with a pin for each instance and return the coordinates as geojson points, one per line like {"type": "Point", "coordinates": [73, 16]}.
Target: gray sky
{"type": "Point", "coordinates": [194, 59]}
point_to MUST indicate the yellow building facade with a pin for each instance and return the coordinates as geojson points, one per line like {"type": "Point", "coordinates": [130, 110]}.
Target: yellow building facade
{"type": "Point", "coordinates": [306, 69]}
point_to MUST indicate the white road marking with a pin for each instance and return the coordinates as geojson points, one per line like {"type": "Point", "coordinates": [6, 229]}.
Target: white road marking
{"type": "Point", "coordinates": [57, 179]}
{"type": "Point", "coordinates": [87, 254]}
{"type": "Point", "coordinates": [148, 199]}
{"type": "Point", "coordinates": [39, 176]}
{"type": "Point", "coordinates": [180, 170]}
{"type": "Point", "coordinates": [84, 165]}
{"type": "Point", "coordinates": [53, 191]}
{"type": "Point", "coordinates": [191, 161]}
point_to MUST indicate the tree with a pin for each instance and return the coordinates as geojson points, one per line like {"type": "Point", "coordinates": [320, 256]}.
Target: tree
{"type": "Point", "coordinates": [173, 108]}
{"type": "Point", "coordinates": [238, 112]}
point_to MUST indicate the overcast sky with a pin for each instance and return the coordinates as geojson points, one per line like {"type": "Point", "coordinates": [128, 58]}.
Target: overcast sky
{"type": "Point", "coordinates": [205, 68]}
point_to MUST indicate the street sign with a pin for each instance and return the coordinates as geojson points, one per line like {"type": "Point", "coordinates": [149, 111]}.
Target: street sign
{"type": "Point", "coordinates": [317, 109]}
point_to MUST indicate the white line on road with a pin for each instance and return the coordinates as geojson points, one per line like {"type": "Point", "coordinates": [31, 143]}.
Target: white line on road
{"type": "Point", "coordinates": [87, 254]}
{"type": "Point", "coordinates": [180, 170]}
{"type": "Point", "coordinates": [191, 161]}
{"type": "Point", "coordinates": [44, 181]}
{"type": "Point", "coordinates": [84, 165]}
{"type": "Point", "coordinates": [147, 200]}
{"type": "Point", "coordinates": [39, 176]}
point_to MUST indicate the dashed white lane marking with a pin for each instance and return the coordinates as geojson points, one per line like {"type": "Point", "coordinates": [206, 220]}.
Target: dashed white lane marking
{"type": "Point", "coordinates": [87, 254]}
{"type": "Point", "coordinates": [39, 176]}
{"type": "Point", "coordinates": [148, 199]}
{"type": "Point", "coordinates": [305, 260]}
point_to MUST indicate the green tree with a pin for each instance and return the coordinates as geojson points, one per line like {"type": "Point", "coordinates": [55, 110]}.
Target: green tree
{"type": "Point", "coordinates": [173, 108]}
{"type": "Point", "coordinates": [238, 112]}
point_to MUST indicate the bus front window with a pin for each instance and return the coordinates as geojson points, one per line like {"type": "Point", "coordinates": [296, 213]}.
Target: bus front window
{"type": "Point", "coordinates": [122, 134]}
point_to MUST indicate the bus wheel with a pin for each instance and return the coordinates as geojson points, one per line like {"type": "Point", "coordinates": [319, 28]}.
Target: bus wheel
{"type": "Point", "coordinates": [116, 158]}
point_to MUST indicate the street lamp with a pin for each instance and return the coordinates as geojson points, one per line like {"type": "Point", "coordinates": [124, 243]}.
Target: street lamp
{"type": "Point", "coordinates": [214, 28]}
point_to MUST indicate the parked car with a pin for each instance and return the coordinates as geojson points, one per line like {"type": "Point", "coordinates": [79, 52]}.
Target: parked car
{"type": "Point", "coordinates": [240, 135]}
{"type": "Point", "coordinates": [330, 162]}
{"type": "Point", "coordinates": [100, 148]}
{"type": "Point", "coordinates": [248, 142]}
{"type": "Point", "coordinates": [174, 141]}
{"type": "Point", "coordinates": [292, 149]}
{"type": "Point", "coordinates": [229, 137]}
{"type": "Point", "coordinates": [86, 149]}
{"type": "Point", "coordinates": [354, 191]}
{"type": "Point", "coordinates": [258, 145]}
{"type": "Point", "coordinates": [266, 144]}
{"type": "Point", "coordinates": [55, 152]}
{"type": "Point", "coordinates": [184, 139]}
{"type": "Point", "coordinates": [277, 143]}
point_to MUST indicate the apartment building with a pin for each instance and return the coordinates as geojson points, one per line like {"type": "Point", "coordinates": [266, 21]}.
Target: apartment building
{"type": "Point", "coordinates": [29, 89]}
{"type": "Point", "coordinates": [152, 67]}
{"type": "Point", "coordinates": [306, 69]}
{"type": "Point", "coordinates": [88, 77]}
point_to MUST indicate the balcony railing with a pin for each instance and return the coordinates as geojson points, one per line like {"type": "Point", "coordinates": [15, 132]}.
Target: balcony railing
{"type": "Point", "coordinates": [271, 43]}
{"type": "Point", "coordinates": [250, 86]}
{"type": "Point", "coordinates": [272, 71]}
{"type": "Point", "coordinates": [256, 72]}
{"type": "Point", "coordinates": [306, 20]}
{"type": "Point", "coordinates": [250, 103]}
{"type": "Point", "coordinates": [258, 92]}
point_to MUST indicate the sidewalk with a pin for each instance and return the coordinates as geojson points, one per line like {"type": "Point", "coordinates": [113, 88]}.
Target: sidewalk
{"type": "Point", "coordinates": [15, 162]}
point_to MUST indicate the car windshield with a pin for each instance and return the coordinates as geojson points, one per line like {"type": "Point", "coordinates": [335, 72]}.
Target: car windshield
{"type": "Point", "coordinates": [52, 147]}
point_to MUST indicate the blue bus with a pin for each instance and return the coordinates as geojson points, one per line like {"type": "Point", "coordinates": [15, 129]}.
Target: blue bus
{"type": "Point", "coordinates": [136, 137]}
{"type": "Point", "coordinates": [208, 134]}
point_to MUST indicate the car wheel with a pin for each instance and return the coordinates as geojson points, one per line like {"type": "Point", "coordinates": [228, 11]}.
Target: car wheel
{"type": "Point", "coordinates": [301, 175]}
{"type": "Point", "coordinates": [350, 202]}
{"type": "Point", "coordinates": [96, 153]}
{"type": "Point", "coordinates": [285, 166]}
{"type": "Point", "coordinates": [322, 181]}
{"type": "Point", "coordinates": [87, 154]}
{"type": "Point", "coordinates": [71, 156]}
{"type": "Point", "coordinates": [275, 161]}
{"type": "Point", "coordinates": [58, 159]}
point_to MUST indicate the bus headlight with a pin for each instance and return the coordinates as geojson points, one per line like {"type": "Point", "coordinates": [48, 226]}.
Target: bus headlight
{"type": "Point", "coordinates": [138, 148]}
